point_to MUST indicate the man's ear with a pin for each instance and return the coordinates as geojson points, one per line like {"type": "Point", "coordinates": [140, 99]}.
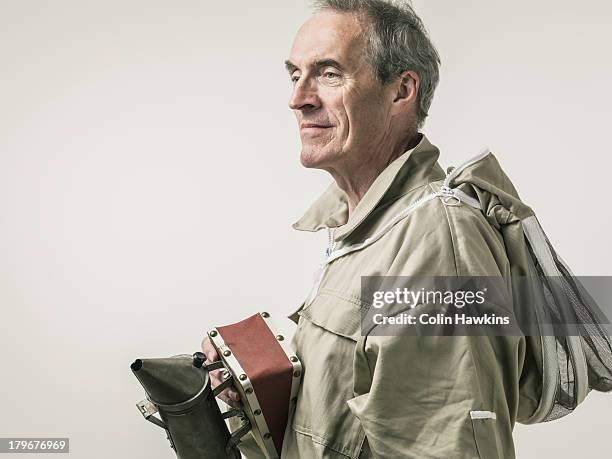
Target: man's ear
{"type": "Point", "coordinates": [406, 89]}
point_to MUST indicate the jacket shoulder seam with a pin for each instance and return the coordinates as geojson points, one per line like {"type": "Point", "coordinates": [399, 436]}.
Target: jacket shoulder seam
{"type": "Point", "coordinates": [451, 234]}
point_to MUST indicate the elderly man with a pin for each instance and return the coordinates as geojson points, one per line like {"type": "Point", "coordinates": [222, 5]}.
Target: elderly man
{"type": "Point", "coordinates": [364, 74]}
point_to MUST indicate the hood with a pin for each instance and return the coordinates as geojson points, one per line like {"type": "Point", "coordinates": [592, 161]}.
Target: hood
{"type": "Point", "coordinates": [484, 179]}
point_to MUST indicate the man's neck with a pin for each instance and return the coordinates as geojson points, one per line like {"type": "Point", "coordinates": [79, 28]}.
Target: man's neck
{"type": "Point", "coordinates": [357, 178]}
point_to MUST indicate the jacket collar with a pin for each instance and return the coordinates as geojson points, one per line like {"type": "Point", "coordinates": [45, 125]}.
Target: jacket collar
{"type": "Point", "coordinates": [412, 169]}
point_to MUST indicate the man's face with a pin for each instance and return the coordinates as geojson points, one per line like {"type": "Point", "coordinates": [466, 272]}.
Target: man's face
{"type": "Point", "coordinates": [341, 108]}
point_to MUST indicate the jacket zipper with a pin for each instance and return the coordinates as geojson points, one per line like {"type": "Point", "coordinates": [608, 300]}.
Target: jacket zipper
{"type": "Point", "coordinates": [449, 177]}
{"type": "Point", "coordinates": [331, 243]}
{"type": "Point", "coordinates": [445, 193]}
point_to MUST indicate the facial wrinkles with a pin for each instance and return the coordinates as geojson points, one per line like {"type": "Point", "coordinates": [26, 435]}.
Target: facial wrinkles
{"type": "Point", "coordinates": [368, 122]}
{"type": "Point", "coordinates": [332, 112]}
{"type": "Point", "coordinates": [353, 91]}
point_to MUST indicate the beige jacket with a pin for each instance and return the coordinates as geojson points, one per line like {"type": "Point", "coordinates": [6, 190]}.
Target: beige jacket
{"type": "Point", "coordinates": [404, 396]}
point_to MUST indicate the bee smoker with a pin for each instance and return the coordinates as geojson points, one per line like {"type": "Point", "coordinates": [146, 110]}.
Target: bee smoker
{"type": "Point", "coordinates": [179, 389]}
{"type": "Point", "coordinates": [260, 365]}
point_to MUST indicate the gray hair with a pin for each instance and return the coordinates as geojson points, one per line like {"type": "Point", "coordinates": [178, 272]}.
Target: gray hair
{"type": "Point", "coordinates": [397, 41]}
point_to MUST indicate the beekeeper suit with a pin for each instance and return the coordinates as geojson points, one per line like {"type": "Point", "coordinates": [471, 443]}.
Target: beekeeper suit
{"type": "Point", "coordinates": [370, 396]}
{"type": "Point", "coordinates": [404, 396]}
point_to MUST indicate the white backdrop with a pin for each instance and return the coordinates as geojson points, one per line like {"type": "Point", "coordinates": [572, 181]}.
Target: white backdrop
{"type": "Point", "coordinates": [149, 175]}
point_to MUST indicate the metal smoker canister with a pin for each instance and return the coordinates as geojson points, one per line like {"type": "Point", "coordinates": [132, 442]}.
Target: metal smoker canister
{"type": "Point", "coordinates": [179, 389]}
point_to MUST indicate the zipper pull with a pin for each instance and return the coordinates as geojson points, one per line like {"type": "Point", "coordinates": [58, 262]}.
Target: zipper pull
{"type": "Point", "coordinates": [331, 242]}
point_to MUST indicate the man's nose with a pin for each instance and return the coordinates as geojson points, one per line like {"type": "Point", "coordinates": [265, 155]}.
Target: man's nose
{"type": "Point", "coordinates": [304, 96]}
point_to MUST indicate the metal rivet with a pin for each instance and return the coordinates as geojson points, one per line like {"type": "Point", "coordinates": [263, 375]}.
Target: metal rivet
{"type": "Point", "coordinates": [227, 353]}
{"type": "Point", "coordinates": [280, 337]}
{"type": "Point", "coordinates": [242, 377]}
{"type": "Point", "coordinates": [293, 358]}
{"type": "Point", "coordinates": [296, 374]}
{"type": "Point", "coordinates": [265, 315]}
{"type": "Point", "coordinates": [213, 333]}
{"type": "Point", "coordinates": [267, 435]}
{"type": "Point", "coordinates": [257, 412]}
{"type": "Point", "coordinates": [249, 390]}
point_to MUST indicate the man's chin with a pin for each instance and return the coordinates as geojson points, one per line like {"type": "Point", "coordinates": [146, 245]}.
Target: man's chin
{"type": "Point", "coordinates": [313, 158]}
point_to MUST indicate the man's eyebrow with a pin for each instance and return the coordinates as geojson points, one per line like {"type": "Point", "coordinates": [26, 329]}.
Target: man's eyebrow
{"type": "Point", "coordinates": [290, 66]}
{"type": "Point", "coordinates": [328, 63]}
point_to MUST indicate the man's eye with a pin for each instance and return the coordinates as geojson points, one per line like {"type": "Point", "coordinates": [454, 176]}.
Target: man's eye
{"type": "Point", "coordinates": [294, 78]}
{"type": "Point", "coordinates": [331, 75]}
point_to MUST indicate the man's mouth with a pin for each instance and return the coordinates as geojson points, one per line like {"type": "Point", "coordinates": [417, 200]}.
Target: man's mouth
{"type": "Point", "coordinates": [313, 127]}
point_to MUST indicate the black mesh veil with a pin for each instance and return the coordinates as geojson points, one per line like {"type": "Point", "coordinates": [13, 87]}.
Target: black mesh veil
{"type": "Point", "coordinates": [576, 344]}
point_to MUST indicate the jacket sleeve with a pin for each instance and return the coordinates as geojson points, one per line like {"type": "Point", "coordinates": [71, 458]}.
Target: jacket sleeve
{"type": "Point", "coordinates": [415, 395]}
{"type": "Point", "coordinates": [441, 396]}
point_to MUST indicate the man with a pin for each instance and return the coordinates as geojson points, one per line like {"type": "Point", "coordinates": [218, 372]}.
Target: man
{"type": "Point", "coordinates": [364, 73]}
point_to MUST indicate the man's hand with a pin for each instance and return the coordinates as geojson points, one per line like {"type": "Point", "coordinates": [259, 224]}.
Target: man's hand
{"type": "Point", "coordinates": [229, 395]}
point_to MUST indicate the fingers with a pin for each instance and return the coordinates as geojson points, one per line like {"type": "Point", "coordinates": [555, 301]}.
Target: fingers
{"type": "Point", "coordinates": [229, 395]}
{"type": "Point", "coordinates": [232, 394]}
{"type": "Point", "coordinates": [209, 350]}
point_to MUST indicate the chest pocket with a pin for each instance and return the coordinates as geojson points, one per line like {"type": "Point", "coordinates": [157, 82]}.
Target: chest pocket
{"type": "Point", "coordinates": [325, 341]}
